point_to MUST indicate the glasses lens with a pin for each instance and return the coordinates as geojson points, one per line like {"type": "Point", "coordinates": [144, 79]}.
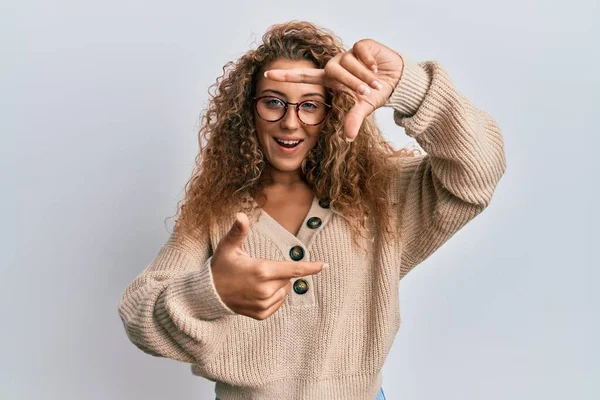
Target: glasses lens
{"type": "Point", "coordinates": [312, 112]}
{"type": "Point", "coordinates": [272, 109]}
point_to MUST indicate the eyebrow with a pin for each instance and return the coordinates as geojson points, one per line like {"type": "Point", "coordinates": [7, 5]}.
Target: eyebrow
{"type": "Point", "coordinates": [284, 95]}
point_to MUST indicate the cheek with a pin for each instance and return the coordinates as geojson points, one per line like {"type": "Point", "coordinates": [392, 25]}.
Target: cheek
{"type": "Point", "coordinates": [261, 133]}
{"type": "Point", "coordinates": [313, 138]}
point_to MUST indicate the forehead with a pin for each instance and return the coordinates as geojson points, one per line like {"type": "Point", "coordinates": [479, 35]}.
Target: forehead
{"type": "Point", "coordinates": [290, 88]}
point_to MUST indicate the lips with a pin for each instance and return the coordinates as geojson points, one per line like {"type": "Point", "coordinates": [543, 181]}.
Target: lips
{"type": "Point", "coordinates": [287, 149]}
{"type": "Point", "coordinates": [290, 143]}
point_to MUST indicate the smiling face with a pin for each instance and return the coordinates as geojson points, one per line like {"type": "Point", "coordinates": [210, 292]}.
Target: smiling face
{"type": "Point", "coordinates": [287, 160]}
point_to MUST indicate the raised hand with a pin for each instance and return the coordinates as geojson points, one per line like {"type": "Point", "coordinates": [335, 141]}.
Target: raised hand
{"type": "Point", "coordinates": [251, 286]}
{"type": "Point", "coordinates": [369, 72]}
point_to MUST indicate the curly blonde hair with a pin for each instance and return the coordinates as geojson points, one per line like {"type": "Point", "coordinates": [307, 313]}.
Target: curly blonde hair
{"type": "Point", "coordinates": [355, 177]}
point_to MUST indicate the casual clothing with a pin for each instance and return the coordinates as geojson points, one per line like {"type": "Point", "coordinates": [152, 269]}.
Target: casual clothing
{"type": "Point", "coordinates": [380, 395]}
{"type": "Point", "coordinates": [331, 341]}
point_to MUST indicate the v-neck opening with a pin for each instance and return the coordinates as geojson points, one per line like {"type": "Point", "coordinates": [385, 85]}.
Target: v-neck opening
{"type": "Point", "coordinates": [281, 227]}
{"type": "Point", "coordinates": [314, 221]}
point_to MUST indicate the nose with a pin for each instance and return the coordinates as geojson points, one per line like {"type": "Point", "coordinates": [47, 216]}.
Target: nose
{"type": "Point", "coordinates": [290, 119]}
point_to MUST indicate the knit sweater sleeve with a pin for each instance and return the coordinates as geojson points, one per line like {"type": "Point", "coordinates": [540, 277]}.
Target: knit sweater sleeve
{"type": "Point", "coordinates": [439, 192]}
{"type": "Point", "coordinates": [172, 309]}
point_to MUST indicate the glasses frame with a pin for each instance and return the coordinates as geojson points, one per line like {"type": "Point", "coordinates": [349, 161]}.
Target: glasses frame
{"type": "Point", "coordinates": [296, 106]}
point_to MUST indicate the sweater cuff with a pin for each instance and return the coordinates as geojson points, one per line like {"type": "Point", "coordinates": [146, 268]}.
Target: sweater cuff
{"type": "Point", "coordinates": [410, 91]}
{"type": "Point", "coordinates": [196, 289]}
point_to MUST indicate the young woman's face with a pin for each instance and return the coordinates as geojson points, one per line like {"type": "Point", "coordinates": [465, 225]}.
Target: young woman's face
{"type": "Point", "coordinates": [289, 127]}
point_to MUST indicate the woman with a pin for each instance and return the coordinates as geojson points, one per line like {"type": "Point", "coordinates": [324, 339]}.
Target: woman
{"type": "Point", "coordinates": [280, 280]}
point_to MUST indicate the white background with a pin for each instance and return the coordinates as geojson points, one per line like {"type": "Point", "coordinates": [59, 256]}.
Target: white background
{"type": "Point", "coordinates": [100, 106]}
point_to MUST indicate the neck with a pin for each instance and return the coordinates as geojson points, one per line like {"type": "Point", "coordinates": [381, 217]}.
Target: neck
{"type": "Point", "coordinates": [283, 178]}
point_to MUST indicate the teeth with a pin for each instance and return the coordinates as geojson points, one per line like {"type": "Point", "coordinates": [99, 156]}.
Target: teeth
{"type": "Point", "coordinates": [288, 141]}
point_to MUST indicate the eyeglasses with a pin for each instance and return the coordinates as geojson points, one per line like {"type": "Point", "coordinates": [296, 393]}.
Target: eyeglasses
{"type": "Point", "coordinates": [272, 109]}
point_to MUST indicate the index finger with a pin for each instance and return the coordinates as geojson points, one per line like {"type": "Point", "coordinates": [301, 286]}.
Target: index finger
{"type": "Point", "coordinates": [297, 75]}
{"type": "Point", "coordinates": [276, 270]}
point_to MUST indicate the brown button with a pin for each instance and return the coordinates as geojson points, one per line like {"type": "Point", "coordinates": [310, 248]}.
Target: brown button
{"type": "Point", "coordinates": [297, 253]}
{"type": "Point", "coordinates": [314, 222]}
{"type": "Point", "coordinates": [324, 203]}
{"type": "Point", "coordinates": [300, 286]}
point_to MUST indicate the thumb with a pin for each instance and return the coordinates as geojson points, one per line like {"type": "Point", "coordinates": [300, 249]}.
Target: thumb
{"type": "Point", "coordinates": [238, 231]}
{"type": "Point", "coordinates": [354, 119]}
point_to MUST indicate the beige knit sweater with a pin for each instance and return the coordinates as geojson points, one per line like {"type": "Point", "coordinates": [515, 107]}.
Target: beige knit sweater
{"type": "Point", "coordinates": [330, 342]}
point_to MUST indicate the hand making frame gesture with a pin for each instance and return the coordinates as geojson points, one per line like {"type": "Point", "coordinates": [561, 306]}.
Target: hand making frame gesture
{"type": "Point", "coordinates": [369, 72]}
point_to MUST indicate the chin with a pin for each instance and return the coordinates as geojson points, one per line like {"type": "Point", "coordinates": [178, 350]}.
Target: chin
{"type": "Point", "coordinates": [286, 167]}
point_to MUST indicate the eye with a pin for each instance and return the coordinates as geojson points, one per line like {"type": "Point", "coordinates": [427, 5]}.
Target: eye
{"type": "Point", "coordinates": [310, 105]}
{"type": "Point", "coordinates": [273, 102]}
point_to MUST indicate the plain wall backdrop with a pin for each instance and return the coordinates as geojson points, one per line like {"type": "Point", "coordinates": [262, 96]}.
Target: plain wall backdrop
{"type": "Point", "coordinates": [100, 106]}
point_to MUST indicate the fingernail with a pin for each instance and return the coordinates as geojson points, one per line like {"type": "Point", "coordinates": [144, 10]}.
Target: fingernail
{"type": "Point", "coordinates": [363, 89]}
{"type": "Point", "coordinates": [348, 139]}
{"type": "Point", "coordinates": [376, 85]}
{"type": "Point", "coordinates": [266, 74]}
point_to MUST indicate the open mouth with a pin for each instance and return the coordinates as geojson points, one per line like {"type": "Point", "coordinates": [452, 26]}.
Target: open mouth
{"type": "Point", "coordinates": [288, 144]}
